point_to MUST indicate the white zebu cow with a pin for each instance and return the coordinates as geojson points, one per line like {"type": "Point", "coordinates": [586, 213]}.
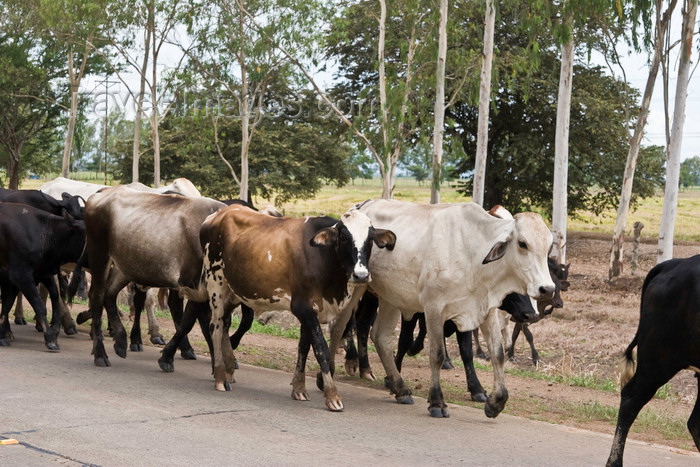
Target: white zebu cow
{"type": "Point", "coordinates": [453, 262]}
{"type": "Point", "coordinates": [56, 187]}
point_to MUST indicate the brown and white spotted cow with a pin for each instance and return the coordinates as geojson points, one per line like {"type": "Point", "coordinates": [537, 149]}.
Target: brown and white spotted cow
{"type": "Point", "coordinates": [315, 266]}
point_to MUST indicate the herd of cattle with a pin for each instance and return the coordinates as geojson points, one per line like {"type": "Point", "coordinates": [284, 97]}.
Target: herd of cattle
{"type": "Point", "coordinates": [451, 268]}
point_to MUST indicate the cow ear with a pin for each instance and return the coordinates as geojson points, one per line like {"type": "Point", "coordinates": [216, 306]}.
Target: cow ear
{"type": "Point", "coordinates": [68, 217]}
{"type": "Point", "coordinates": [384, 238]}
{"type": "Point", "coordinates": [497, 252]}
{"type": "Point", "coordinates": [324, 238]}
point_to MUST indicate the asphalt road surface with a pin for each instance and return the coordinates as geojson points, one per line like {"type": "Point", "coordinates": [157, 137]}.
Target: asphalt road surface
{"type": "Point", "coordinates": [65, 411]}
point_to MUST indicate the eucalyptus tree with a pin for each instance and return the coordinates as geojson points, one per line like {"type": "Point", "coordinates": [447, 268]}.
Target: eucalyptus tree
{"type": "Point", "coordinates": [235, 52]}
{"type": "Point", "coordinates": [30, 103]}
{"type": "Point", "coordinates": [639, 15]}
{"type": "Point", "coordinates": [673, 161]}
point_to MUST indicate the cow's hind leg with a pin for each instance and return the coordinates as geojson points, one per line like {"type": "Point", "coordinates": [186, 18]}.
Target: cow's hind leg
{"type": "Point", "coordinates": [153, 328]}
{"type": "Point", "coordinates": [406, 339]}
{"type": "Point", "coordinates": [19, 312]}
{"type": "Point", "coordinates": [189, 317]}
{"type": "Point", "coordinates": [352, 359]}
{"type": "Point", "coordinates": [531, 340]}
{"type": "Point", "coordinates": [364, 316]}
{"type": "Point", "coordinates": [435, 328]}
{"type": "Point", "coordinates": [7, 296]}
{"type": "Point", "coordinates": [635, 395]}
{"type": "Point", "coordinates": [694, 420]}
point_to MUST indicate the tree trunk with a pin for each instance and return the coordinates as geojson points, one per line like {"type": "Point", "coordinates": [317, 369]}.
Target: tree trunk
{"type": "Point", "coordinates": [561, 153]}
{"type": "Point", "coordinates": [73, 85]}
{"type": "Point", "coordinates": [387, 182]}
{"type": "Point", "coordinates": [13, 171]}
{"type": "Point", "coordinates": [482, 138]}
{"type": "Point", "coordinates": [673, 163]}
{"type": "Point", "coordinates": [616, 252]}
{"type": "Point", "coordinates": [245, 115]}
{"type": "Point", "coordinates": [154, 103]}
{"type": "Point", "coordinates": [136, 150]}
{"type": "Point", "coordinates": [439, 104]}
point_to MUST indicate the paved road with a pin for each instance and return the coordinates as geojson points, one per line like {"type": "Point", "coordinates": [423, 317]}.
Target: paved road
{"type": "Point", "coordinates": [65, 411]}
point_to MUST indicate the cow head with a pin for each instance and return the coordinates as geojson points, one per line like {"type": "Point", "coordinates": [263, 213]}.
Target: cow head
{"type": "Point", "coordinates": [520, 308]}
{"type": "Point", "coordinates": [352, 237]}
{"type": "Point", "coordinates": [526, 247]}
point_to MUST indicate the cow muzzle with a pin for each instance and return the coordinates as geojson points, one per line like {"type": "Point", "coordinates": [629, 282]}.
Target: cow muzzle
{"type": "Point", "coordinates": [360, 275]}
{"type": "Point", "coordinates": [542, 292]}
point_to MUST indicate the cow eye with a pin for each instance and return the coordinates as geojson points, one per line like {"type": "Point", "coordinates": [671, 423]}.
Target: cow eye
{"type": "Point", "coordinates": [522, 244]}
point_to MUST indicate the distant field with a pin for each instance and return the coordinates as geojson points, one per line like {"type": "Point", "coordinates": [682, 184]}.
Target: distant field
{"type": "Point", "coordinates": [334, 201]}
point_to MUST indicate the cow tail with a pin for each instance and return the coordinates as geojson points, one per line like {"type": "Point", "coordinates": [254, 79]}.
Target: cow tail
{"type": "Point", "coordinates": [199, 294]}
{"type": "Point", "coordinates": [76, 278]}
{"type": "Point", "coordinates": [628, 366]}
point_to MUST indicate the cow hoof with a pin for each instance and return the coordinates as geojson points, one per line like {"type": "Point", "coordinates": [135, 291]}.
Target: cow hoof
{"type": "Point", "coordinates": [119, 350]}
{"type": "Point", "coordinates": [437, 412]}
{"type": "Point", "coordinates": [491, 412]}
{"type": "Point", "coordinates": [335, 406]}
{"type": "Point", "coordinates": [4, 342]}
{"type": "Point", "coordinates": [166, 366]}
{"type": "Point", "coordinates": [406, 399]}
{"type": "Point", "coordinates": [222, 386]}
{"type": "Point", "coordinates": [235, 365]}
{"type": "Point", "coordinates": [188, 354]}
{"type": "Point", "coordinates": [136, 347]}
{"type": "Point", "coordinates": [351, 367]}
{"type": "Point", "coordinates": [82, 317]}
{"type": "Point", "coordinates": [158, 340]}
{"type": "Point", "coordinates": [300, 396]}
{"type": "Point", "coordinates": [70, 331]}
{"type": "Point", "coordinates": [52, 346]}
{"type": "Point", "coordinates": [367, 374]}
{"type": "Point", "coordinates": [447, 365]}
{"type": "Point", "coordinates": [102, 362]}
{"type": "Point", "coordinates": [20, 321]}
{"type": "Point", "coordinates": [39, 327]}
{"type": "Point", "coordinates": [481, 397]}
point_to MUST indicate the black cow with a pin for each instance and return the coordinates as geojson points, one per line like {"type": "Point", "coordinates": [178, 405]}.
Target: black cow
{"type": "Point", "coordinates": [667, 341]}
{"type": "Point", "coordinates": [34, 244]}
{"type": "Point", "coordinates": [39, 200]}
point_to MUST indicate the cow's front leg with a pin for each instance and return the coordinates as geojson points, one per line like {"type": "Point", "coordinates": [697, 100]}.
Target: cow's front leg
{"type": "Point", "coordinates": [435, 330]}
{"type": "Point", "coordinates": [382, 334]}
{"type": "Point", "coordinates": [299, 380]}
{"type": "Point", "coordinates": [491, 328]}
{"type": "Point", "coordinates": [24, 280]}
{"type": "Point", "coordinates": [138, 300]}
{"type": "Point", "coordinates": [8, 294]}
{"type": "Point", "coordinates": [337, 329]}
{"type": "Point", "coordinates": [464, 340]}
{"type": "Point", "coordinates": [308, 319]}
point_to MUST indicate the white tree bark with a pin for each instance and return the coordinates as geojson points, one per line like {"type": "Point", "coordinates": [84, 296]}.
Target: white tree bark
{"type": "Point", "coordinates": [673, 162]}
{"type": "Point", "coordinates": [136, 149]}
{"type": "Point", "coordinates": [387, 185]}
{"type": "Point", "coordinates": [482, 138]}
{"type": "Point", "coordinates": [616, 252]}
{"type": "Point", "coordinates": [74, 79]}
{"type": "Point", "coordinates": [439, 108]}
{"type": "Point", "coordinates": [154, 104]}
{"type": "Point", "coordinates": [561, 153]}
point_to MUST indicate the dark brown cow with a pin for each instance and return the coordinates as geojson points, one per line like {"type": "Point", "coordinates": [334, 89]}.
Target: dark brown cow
{"type": "Point", "coordinates": [150, 239]}
{"type": "Point", "coordinates": [315, 266]}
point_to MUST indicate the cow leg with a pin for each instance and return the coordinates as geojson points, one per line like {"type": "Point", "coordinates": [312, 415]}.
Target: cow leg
{"type": "Point", "coordinates": [299, 392]}
{"type": "Point", "coordinates": [435, 328]}
{"type": "Point", "coordinates": [694, 420]}
{"type": "Point", "coordinates": [175, 303]}
{"type": "Point", "coordinates": [247, 316]}
{"type": "Point", "coordinates": [192, 313]}
{"type": "Point", "coordinates": [531, 341]}
{"type": "Point", "coordinates": [479, 351]}
{"type": "Point", "coordinates": [139, 301]}
{"type": "Point", "coordinates": [650, 376]}
{"type": "Point", "coordinates": [491, 328]}
{"type": "Point", "coordinates": [406, 339]}
{"type": "Point", "coordinates": [67, 322]}
{"type": "Point", "coordinates": [464, 340]}
{"type": "Point", "coordinates": [364, 316]}
{"type": "Point", "coordinates": [352, 359]}
{"type": "Point", "coordinates": [153, 328]}
{"type": "Point", "coordinates": [382, 335]}
{"type": "Point", "coordinates": [24, 280]}
{"type": "Point", "coordinates": [447, 362]}
{"type": "Point", "coordinates": [308, 319]}
{"type": "Point", "coordinates": [417, 344]}
{"type": "Point", "coordinates": [222, 354]}
{"type": "Point", "coordinates": [516, 333]}
{"type": "Point", "coordinates": [337, 329]}
{"type": "Point", "coordinates": [19, 312]}
{"type": "Point", "coordinates": [8, 294]}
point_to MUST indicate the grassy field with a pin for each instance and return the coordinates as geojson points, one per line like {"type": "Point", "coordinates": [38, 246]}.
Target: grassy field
{"type": "Point", "coordinates": [333, 201]}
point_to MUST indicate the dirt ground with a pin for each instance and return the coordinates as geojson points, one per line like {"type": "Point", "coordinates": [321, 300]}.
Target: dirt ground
{"type": "Point", "coordinates": [581, 342]}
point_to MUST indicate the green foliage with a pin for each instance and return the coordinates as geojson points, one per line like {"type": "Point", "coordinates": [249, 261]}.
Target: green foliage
{"type": "Point", "coordinates": [292, 155]}
{"type": "Point", "coordinates": [690, 172]}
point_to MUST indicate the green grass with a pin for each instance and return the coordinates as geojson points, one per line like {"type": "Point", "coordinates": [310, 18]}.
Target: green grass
{"type": "Point", "coordinates": [271, 329]}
